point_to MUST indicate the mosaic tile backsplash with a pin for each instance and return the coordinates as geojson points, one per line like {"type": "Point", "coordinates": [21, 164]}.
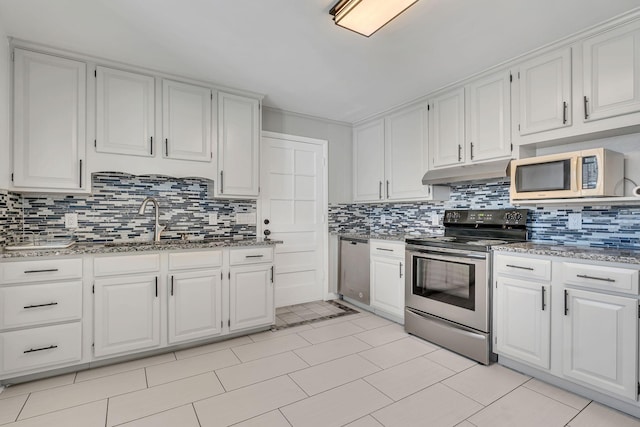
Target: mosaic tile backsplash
{"type": "Point", "coordinates": [614, 226]}
{"type": "Point", "coordinates": [111, 212]}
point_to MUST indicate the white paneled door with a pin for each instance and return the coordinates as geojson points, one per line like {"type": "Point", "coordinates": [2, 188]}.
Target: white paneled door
{"type": "Point", "coordinates": [293, 207]}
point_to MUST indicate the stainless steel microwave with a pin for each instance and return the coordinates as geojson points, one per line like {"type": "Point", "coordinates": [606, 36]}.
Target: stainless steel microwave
{"type": "Point", "coordinates": [588, 173]}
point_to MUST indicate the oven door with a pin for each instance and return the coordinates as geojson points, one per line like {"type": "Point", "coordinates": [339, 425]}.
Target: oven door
{"type": "Point", "coordinates": [453, 285]}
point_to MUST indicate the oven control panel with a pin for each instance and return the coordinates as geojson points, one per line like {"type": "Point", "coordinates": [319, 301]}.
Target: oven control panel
{"type": "Point", "coordinates": [499, 217]}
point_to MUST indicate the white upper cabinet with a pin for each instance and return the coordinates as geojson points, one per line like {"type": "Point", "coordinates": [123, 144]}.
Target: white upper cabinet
{"type": "Point", "coordinates": [447, 127]}
{"type": "Point", "coordinates": [186, 120]}
{"type": "Point", "coordinates": [238, 146]}
{"type": "Point", "coordinates": [368, 161]}
{"type": "Point", "coordinates": [488, 127]}
{"type": "Point", "coordinates": [545, 93]}
{"type": "Point", "coordinates": [406, 158]}
{"type": "Point", "coordinates": [390, 157]}
{"type": "Point", "coordinates": [611, 73]}
{"type": "Point", "coordinates": [125, 113]}
{"type": "Point", "coordinates": [49, 119]}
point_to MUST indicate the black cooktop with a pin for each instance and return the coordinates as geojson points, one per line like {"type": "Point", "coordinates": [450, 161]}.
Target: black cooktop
{"type": "Point", "coordinates": [478, 230]}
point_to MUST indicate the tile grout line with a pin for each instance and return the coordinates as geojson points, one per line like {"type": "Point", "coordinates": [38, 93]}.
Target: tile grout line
{"type": "Point", "coordinates": [579, 412]}
{"type": "Point", "coordinates": [196, 413]}
{"type": "Point", "coordinates": [554, 399]}
{"type": "Point", "coordinates": [22, 408]}
{"type": "Point", "coordinates": [106, 414]}
{"type": "Point", "coordinates": [285, 417]}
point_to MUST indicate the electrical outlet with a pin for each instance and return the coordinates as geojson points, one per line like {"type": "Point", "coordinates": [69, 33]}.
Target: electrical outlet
{"type": "Point", "coordinates": [71, 220]}
{"type": "Point", "coordinates": [575, 221]}
{"type": "Point", "coordinates": [435, 219]}
{"type": "Point", "coordinates": [246, 219]}
{"type": "Point", "coordinates": [213, 218]}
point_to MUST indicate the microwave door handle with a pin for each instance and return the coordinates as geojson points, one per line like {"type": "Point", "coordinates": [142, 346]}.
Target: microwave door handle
{"type": "Point", "coordinates": [577, 162]}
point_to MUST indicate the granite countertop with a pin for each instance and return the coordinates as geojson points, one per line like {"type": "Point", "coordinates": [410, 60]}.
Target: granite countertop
{"type": "Point", "coordinates": [84, 248]}
{"type": "Point", "coordinates": [594, 254]}
{"type": "Point", "coordinates": [399, 237]}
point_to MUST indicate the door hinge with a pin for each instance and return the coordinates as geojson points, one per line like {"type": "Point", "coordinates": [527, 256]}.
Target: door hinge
{"type": "Point", "coordinates": [229, 323]}
{"type": "Point", "coordinates": [212, 155]}
{"type": "Point", "coordinates": [211, 95]}
{"type": "Point", "coordinates": [229, 275]}
{"type": "Point", "coordinates": [221, 277]}
{"type": "Point", "coordinates": [512, 147]}
{"type": "Point", "coordinates": [93, 344]}
{"type": "Point", "coordinates": [428, 107]}
{"type": "Point", "coordinates": [93, 289]}
{"type": "Point", "coordinates": [518, 127]}
{"type": "Point", "coordinates": [12, 177]}
{"type": "Point", "coordinates": [221, 324]}
{"type": "Point", "coordinates": [510, 77]}
{"type": "Point", "coordinates": [95, 73]}
{"type": "Point", "coordinates": [95, 143]}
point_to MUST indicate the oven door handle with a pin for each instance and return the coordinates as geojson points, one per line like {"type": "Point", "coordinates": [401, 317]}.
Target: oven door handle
{"type": "Point", "coordinates": [447, 257]}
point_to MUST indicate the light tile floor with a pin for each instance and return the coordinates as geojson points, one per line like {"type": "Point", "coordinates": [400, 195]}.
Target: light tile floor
{"type": "Point", "coordinates": [357, 370]}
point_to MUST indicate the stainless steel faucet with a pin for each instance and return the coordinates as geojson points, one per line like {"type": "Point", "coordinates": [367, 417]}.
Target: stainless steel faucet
{"type": "Point", "coordinates": [158, 228]}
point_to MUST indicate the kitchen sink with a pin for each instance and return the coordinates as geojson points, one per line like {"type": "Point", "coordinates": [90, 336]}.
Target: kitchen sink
{"type": "Point", "coordinates": [41, 245]}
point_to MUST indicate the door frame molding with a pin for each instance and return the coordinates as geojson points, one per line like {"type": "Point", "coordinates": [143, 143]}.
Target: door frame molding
{"type": "Point", "coordinates": [325, 200]}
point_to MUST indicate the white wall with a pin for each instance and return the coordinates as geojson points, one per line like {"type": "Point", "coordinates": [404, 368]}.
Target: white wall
{"type": "Point", "coordinates": [338, 134]}
{"type": "Point", "coordinates": [5, 147]}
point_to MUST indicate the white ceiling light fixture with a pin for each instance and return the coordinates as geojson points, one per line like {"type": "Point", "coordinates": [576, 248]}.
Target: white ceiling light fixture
{"type": "Point", "coordinates": [367, 16]}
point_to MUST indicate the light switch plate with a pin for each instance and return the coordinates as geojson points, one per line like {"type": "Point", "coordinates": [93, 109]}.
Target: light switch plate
{"type": "Point", "coordinates": [575, 221]}
{"type": "Point", "coordinates": [71, 220]}
{"type": "Point", "coordinates": [213, 218]}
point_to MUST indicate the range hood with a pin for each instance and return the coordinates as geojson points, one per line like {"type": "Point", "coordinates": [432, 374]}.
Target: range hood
{"type": "Point", "coordinates": [488, 170]}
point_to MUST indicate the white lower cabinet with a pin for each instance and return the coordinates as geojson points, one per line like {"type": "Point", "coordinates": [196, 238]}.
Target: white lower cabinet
{"type": "Point", "coordinates": [195, 305]}
{"type": "Point", "coordinates": [523, 327]}
{"type": "Point", "coordinates": [579, 325]}
{"type": "Point", "coordinates": [600, 341]}
{"type": "Point", "coordinates": [126, 314]}
{"type": "Point", "coordinates": [387, 271]}
{"type": "Point", "coordinates": [40, 315]}
{"type": "Point", "coordinates": [251, 296]}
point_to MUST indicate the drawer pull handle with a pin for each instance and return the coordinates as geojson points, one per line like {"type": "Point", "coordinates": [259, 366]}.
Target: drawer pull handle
{"type": "Point", "coordinates": [566, 302]}
{"type": "Point", "coordinates": [39, 305]}
{"type": "Point", "coordinates": [521, 268]}
{"type": "Point", "coordinates": [254, 256]}
{"type": "Point", "coordinates": [604, 279]}
{"type": "Point", "coordinates": [384, 249]}
{"type": "Point", "coordinates": [543, 304]}
{"type": "Point", "coordinates": [32, 350]}
{"type": "Point", "coordinates": [48, 270]}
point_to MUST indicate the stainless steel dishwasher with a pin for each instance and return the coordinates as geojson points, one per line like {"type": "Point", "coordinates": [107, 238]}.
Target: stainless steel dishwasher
{"type": "Point", "coordinates": [354, 269]}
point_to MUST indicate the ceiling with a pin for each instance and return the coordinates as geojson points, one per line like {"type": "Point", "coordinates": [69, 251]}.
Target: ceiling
{"type": "Point", "coordinates": [291, 51]}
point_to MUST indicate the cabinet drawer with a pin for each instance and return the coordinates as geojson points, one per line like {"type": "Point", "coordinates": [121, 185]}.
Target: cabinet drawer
{"type": "Point", "coordinates": [601, 277]}
{"type": "Point", "coordinates": [385, 248]}
{"type": "Point", "coordinates": [28, 305]}
{"type": "Point", "coordinates": [40, 270]}
{"type": "Point", "coordinates": [250, 255]}
{"type": "Point", "coordinates": [125, 264]}
{"type": "Point", "coordinates": [40, 347]}
{"type": "Point", "coordinates": [196, 259]}
{"type": "Point", "coordinates": [528, 268]}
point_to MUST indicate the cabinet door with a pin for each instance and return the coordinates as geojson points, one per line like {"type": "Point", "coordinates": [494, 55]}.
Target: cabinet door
{"type": "Point", "coordinates": [489, 117]}
{"type": "Point", "coordinates": [238, 145]}
{"type": "Point", "coordinates": [406, 157]}
{"type": "Point", "coordinates": [545, 92]}
{"type": "Point", "coordinates": [125, 112]}
{"type": "Point", "coordinates": [523, 323]}
{"type": "Point", "coordinates": [186, 121]}
{"type": "Point", "coordinates": [600, 335]}
{"type": "Point", "coordinates": [368, 162]}
{"type": "Point", "coordinates": [251, 297]}
{"type": "Point", "coordinates": [126, 314]}
{"type": "Point", "coordinates": [387, 285]}
{"type": "Point", "coordinates": [611, 73]}
{"type": "Point", "coordinates": [195, 305]}
{"type": "Point", "coordinates": [446, 127]}
{"type": "Point", "coordinates": [49, 120]}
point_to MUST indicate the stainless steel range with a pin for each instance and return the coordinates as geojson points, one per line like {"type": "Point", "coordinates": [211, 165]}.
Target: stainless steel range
{"type": "Point", "coordinates": [448, 290]}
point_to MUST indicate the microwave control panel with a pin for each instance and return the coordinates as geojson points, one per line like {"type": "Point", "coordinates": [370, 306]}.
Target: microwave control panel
{"type": "Point", "coordinates": [589, 172]}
